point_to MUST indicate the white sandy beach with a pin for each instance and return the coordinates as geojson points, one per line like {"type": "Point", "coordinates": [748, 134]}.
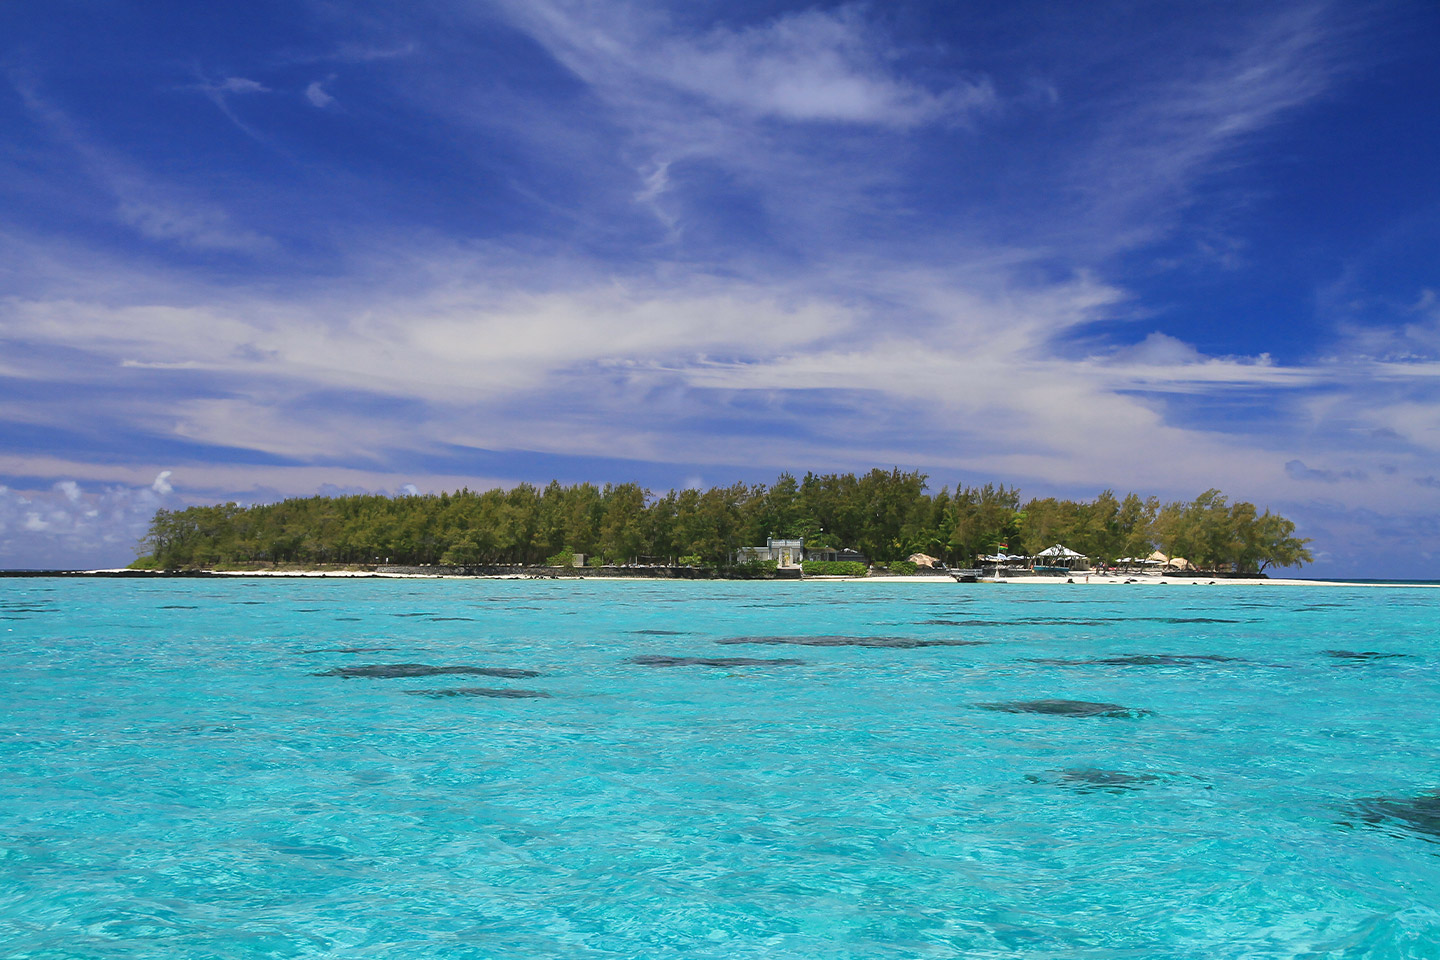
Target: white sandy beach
{"type": "Point", "coordinates": [1122, 580]}
{"type": "Point", "coordinates": [1079, 579]}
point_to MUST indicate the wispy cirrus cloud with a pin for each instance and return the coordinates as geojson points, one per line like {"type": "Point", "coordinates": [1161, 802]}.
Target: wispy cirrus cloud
{"type": "Point", "coordinates": [1192, 113]}
{"type": "Point", "coordinates": [825, 66]}
{"type": "Point", "coordinates": [221, 92]}
{"type": "Point", "coordinates": [153, 209]}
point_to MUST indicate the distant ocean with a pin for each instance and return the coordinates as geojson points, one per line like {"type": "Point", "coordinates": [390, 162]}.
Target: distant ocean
{"type": "Point", "coordinates": [597, 769]}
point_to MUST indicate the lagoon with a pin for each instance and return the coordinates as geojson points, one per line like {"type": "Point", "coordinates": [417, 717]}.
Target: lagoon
{"type": "Point", "coordinates": [512, 768]}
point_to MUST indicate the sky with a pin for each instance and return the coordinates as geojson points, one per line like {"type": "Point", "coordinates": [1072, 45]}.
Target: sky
{"type": "Point", "coordinates": [270, 249]}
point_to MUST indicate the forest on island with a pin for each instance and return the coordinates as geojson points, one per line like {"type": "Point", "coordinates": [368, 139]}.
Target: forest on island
{"type": "Point", "coordinates": [886, 515]}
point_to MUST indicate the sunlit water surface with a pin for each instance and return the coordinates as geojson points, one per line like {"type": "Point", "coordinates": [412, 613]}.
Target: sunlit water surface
{"type": "Point", "coordinates": [186, 770]}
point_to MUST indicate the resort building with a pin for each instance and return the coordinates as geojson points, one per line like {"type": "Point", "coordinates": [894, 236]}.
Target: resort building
{"type": "Point", "coordinates": [849, 556]}
{"type": "Point", "coordinates": [785, 553]}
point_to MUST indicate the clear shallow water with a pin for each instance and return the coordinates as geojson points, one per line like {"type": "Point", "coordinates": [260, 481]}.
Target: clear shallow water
{"type": "Point", "coordinates": [175, 780]}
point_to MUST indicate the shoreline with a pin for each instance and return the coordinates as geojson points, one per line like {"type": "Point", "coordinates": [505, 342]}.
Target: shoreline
{"type": "Point", "coordinates": [1132, 580]}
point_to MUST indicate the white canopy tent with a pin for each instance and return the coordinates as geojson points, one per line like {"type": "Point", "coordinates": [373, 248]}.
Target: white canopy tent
{"type": "Point", "coordinates": [1058, 556]}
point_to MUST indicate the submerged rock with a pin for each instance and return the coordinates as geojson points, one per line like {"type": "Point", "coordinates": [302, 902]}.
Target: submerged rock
{"type": "Point", "coordinates": [1140, 660]}
{"type": "Point", "coordinates": [479, 692]}
{"type": "Point", "coordinates": [1090, 780]}
{"type": "Point", "coordinates": [388, 671]}
{"type": "Point", "coordinates": [654, 660]}
{"type": "Point", "coordinates": [1072, 621]}
{"type": "Point", "coordinates": [1418, 815]}
{"type": "Point", "coordinates": [1363, 656]}
{"type": "Point", "coordinates": [898, 643]}
{"type": "Point", "coordinates": [1065, 708]}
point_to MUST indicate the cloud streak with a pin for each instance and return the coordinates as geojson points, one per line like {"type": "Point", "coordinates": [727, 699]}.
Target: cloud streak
{"type": "Point", "coordinates": [155, 211]}
{"type": "Point", "coordinates": [820, 66]}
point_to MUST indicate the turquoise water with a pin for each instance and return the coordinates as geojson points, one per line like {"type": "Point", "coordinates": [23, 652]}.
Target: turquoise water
{"type": "Point", "coordinates": [177, 781]}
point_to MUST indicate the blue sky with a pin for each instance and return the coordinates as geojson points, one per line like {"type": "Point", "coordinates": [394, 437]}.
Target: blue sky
{"type": "Point", "coordinates": [257, 250]}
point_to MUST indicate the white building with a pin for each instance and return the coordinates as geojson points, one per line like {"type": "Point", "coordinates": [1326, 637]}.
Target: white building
{"type": "Point", "coordinates": [785, 553]}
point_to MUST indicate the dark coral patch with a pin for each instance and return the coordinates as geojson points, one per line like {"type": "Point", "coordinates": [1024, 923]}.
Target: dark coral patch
{"type": "Point", "coordinates": [897, 643]}
{"type": "Point", "coordinates": [1363, 656]}
{"type": "Point", "coordinates": [1064, 708]}
{"type": "Point", "coordinates": [479, 692]}
{"type": "Point", "coordinates": [654, 660]}
{"type": "Point", "coordinates": [1140, 660]}
{"type": "Point", "coordinates": [1091, 780]}
{"type": "Point", "coordinates": [1416, 815]}
{"type": "Point", "coordinates": [1073, 621]}
{"type": "Point", "coordinates": [389, 671]}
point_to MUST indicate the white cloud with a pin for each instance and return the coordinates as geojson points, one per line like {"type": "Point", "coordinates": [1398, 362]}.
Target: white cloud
{"type": "Point", "coordinates": [238, 85]}
{"type": "Point", "coordinates": [809, 66]}
{"type": "Point", "coordinates": [1158, 349]}
{"type": "Point", "coordinates": [162, 483]}
{"type": "Point", "coordinates": [971, 380]}
{"type": "Point", "coordinates": [349, 52]}
{"type": "Point", "coordinates": [70, 526]}
{"type": "Point", "coordinates": [317, 96]}
{"type": "Point", "coordinates": [195, 225]}
{"type": "Point", "coordinates": [814, 66]}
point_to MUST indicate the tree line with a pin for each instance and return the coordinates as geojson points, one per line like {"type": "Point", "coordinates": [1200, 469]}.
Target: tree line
{"type": "Point", "coordinates": [886, 515]}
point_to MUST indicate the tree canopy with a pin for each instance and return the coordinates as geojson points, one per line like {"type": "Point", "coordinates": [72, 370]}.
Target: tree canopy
{"type": "Point", "coordinates": [886, 515]}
